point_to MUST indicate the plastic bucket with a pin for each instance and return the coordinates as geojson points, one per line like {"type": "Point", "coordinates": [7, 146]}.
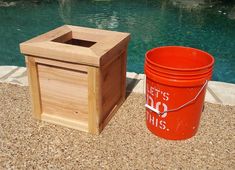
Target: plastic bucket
{"type": "Point", "coordinates": [176, 80]}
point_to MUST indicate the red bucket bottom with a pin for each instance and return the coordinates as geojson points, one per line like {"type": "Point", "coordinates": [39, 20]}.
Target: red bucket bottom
{"type": "Point", "coordinates": [176, 125]}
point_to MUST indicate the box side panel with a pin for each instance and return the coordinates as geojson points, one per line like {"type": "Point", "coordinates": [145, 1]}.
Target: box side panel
{"type": "Point", "coordinates": [64, 94]}
{"type": "Point", "coordinates": [111, 86]}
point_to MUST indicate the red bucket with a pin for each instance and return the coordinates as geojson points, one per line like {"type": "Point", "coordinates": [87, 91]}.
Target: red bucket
{"type": "Point", "coordinates": [176, 80]}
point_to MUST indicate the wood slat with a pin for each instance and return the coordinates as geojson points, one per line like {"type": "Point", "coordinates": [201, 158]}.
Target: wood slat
{"type": "Point", "coordinates": [64, 121]}
{"type": "Point", "coordinates": [94, 99]}
{"type": "Point", "coordinates": [62, 52]}
{"type": "Point", "coordinates": [34, 87]}
{"type": "Point", "coordinates": [55, 63]}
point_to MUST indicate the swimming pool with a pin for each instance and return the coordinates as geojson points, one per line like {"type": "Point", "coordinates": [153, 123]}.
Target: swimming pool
{"type": "Point", "coordinates": [152, 23]}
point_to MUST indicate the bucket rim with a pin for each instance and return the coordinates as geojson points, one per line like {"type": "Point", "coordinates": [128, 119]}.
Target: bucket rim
{"type": "Point", "coordinates": [177, 82]}
{"type": "Point", "coordinates": [178, 72]}
{"type": "Point", "coordinates": [180, 69]}
{"type": "Point", "coordinates": [179, 77]}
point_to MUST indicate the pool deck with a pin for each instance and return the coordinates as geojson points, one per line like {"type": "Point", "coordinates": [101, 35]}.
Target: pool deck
{"type": "Point", "coordinates": [217, 92]}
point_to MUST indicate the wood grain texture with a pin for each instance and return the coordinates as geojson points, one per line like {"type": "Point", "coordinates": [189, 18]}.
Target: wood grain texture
{"type": "Point", "coordinates": [55, 63]}
{"type": "Point", "coordinates": [34, 87]}
{"type": "Point", "coordinates": [111, 86]}
{"type": "Point", "coordinates": [63, 93]}
{"type": "Point", "coordinates": [64, 121]}
{"type": "Point", "coordinates": [94, 99]}
{"type": "Point", "coordinates": [62, 52]}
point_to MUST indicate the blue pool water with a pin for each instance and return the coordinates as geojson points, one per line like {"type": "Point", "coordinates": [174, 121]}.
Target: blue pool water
{"type": "Point", "coordinates": [152, 23]}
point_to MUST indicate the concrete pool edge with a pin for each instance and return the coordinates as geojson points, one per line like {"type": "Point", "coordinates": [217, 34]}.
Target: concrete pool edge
{"type": "Point", "coordinates": [217, 92]}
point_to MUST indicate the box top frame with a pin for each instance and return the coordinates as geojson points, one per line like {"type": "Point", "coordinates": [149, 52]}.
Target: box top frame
{"type": "Point", "coordinates": [103, 46]}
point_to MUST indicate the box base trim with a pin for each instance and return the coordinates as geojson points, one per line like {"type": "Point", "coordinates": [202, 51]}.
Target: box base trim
{"type": "Point", "coordinates": [79, 125]}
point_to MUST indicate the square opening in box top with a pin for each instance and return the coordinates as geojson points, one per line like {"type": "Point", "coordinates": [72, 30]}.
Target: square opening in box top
{"type": "Point", "coordinates": [82, 43]}
{"type": "Point", "coordinates": [72, 41]}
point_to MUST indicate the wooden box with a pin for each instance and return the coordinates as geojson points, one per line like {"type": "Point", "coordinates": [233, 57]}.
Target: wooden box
{"type": "Point", "coordinates": [77, 76]}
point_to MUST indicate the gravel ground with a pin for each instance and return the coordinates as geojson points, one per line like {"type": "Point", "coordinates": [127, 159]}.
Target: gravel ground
{"type": "Point", "coordinates": [125, 143]}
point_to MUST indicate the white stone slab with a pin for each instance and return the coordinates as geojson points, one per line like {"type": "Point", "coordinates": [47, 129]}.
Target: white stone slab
{"type": "Point", "coordinates": [140, 87]}
{"type": "Point", "coordinates": [225, 92]}
{"type": "Point", "coordinates": [131, 75]}
{"type": "Point", "coordinates": [19, 77]}
{"type": "Point", "coordinates": [141, 76]}
{"type": "Point", "coordinates": [209, 98]}
{"type": "Point", "coordinates": [14, 75]}
{"type": "Point", "coordinates": [5, 71]}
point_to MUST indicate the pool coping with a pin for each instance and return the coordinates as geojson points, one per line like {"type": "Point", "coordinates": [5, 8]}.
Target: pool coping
{"type": "Point", "coordinates": [217, 92]}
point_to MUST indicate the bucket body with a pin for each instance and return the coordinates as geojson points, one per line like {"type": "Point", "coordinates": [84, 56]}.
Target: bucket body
{"type": "Point", "coordinates": [176, 80]}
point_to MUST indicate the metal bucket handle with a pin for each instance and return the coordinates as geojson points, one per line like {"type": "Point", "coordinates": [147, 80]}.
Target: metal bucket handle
{"type": "Point", "coordinates": [180, 107]}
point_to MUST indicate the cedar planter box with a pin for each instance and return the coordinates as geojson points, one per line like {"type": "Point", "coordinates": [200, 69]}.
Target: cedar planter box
{"type": "Point", "coordinates": [77, 76]}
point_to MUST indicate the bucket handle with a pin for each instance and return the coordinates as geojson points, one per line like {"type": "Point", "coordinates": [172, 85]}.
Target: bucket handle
{"type": "Point", "coordinates": [180, 107]}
